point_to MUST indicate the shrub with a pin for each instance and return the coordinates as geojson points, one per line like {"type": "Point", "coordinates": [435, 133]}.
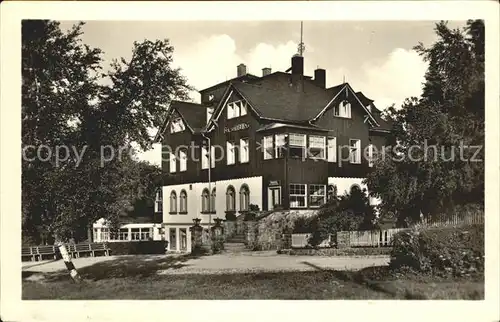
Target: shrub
{"type": "Point", "coordinates": [139, 247]}
{"type": "Point", "coordinates": [230, 215]}
{"type": "Point", "coordinates": [348, 212]}
{"type": "Point", "coordinates": [440, 251]}
{"type": "Point", "coordinates": [253, 207]}
{"type": "Point", "coordinates": [249, 216]}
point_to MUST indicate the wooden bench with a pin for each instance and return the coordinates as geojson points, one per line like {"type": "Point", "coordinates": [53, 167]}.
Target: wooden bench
{"type": "Point", "coordinates": [82, 248]}
{"type": "Point", "coordinates": [99, 247]}
{"type": "Point", "coordinates": [28, 252]}
{"type": "Point", "coordinates": [46, 250]}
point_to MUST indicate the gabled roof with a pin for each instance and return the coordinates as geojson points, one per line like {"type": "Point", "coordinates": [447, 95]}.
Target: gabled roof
{"type": "Point", "coordinates": [285, 103]}
{"type": "Point", "coordinates": [243, 78]}
{"type": "Point", "coordinates": [192, 114]}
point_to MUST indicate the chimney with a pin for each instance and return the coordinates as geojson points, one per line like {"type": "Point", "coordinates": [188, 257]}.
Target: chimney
{"type": "Point", "coordinates": [241, 70]}
{"type": "Point", "coordinates": [297, 65]}
{"type": "Point", "coordinates": [297, 76]}
{"type": "Point", "coordinates": [266, 71]}
{"type": "Point", "coordinates": [320, 77]}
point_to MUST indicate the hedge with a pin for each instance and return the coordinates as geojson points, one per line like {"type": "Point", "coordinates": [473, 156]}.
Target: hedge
{"type": "Point", "coordinates": [138, 247]}
{"type": "Point", "coordinates": [450, 251]}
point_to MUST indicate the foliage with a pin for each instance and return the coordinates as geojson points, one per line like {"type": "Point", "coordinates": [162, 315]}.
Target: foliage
{"type": "Point", "coordinates": [70, 99]}
{"type": "Point", "coordinates": [139, 247]}
{"type": "Point", "coordinates": [253, 207]}
{"type": "Point", "coordinates": [231, 215]}
{"type": "Point", "coordinates": [342, 213]}
{"type": "Point", "coordinates": [449, 115]}
{"type": "Point", "coordinates": [440, 251]}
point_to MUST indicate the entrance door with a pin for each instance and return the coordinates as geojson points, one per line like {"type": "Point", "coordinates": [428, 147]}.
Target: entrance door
{"type": "Point", "coordinates": [273, 197]}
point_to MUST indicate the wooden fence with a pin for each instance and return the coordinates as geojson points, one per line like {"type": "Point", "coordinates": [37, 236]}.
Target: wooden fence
{"type": "Point", "coordinates": [469, 218]}
{"type": "Point", "coordinates": [376, 238]}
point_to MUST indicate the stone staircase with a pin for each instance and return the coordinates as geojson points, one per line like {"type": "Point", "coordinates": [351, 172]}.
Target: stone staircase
{"type": "Point", "coordinates": [235, 244]}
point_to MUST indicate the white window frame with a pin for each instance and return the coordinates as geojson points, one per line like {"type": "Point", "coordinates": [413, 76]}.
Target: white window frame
{"type": "Point", "coordinates": [177, 121]}
{"type": "Point", "coordinates": [293, 145]}
{"type": "Point", "coordinates": [267, 147]}
{"type": "Point", "coordinates": [182, 161]}
{"type": "Point", "coordinates": [205, 158]}
{"type": "Point", "coordinates": [370, 155]}
{"type": "Point", "coordinates": [343, 109]}
{"type": "Point", "coordinates": [236, 109]}
{"type": "Point", "coordinates": [183, 202]}
{"type": "Point", "coordinates": [355, 158]}
{"type": "Point", "coordinates": [290, 195]}
{"type": "Point", "coordinates": [280, 142]}
{"type": "Point", "coordinates": [311, 194]}
{"type": "Point", "coordinates": [244, 150]}
{"type": "Point", "coordinates": [315, 145]}
{"type": "Point", "coordinates": [212, 156]}
{"type": "Point", "coordinates": [230, 153]}
{"type": "Point", "coordinates": [332, 149]}
{"type": "Point", "coordinates": [173, 162]}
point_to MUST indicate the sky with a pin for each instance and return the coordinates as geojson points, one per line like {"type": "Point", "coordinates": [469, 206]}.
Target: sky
{"type": "Point", "coordinates": [375, 57]}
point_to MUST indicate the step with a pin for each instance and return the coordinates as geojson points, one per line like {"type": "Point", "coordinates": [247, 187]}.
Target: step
{"type": "Point", "coordinates": [235, 240]}
{"type": "Point", "coordinates": [234, 247]}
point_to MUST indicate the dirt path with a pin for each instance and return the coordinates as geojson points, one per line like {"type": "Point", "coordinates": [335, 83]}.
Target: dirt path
{"type": "Point", "coordinates": [227, 263]}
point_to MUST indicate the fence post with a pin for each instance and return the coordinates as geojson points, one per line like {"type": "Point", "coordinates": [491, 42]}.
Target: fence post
{"type": "Point", "coordinates": [69, 264]}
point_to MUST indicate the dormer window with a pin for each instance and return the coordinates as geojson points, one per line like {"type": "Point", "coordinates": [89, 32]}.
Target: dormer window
{"type": "Point", "coordinates": [236, 109]}
{"type": "Point", "coordinates": [177, 126]}
{"type": "Point", "coordinates": [343, 109]}
{"type": "Point", "coordinates": [210, 112]}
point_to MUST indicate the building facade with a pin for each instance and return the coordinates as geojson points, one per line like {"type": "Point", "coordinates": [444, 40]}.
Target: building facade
{"type": "Point", "coordinates": [279, 140]}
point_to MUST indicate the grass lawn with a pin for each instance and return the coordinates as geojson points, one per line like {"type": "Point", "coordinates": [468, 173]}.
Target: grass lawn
{"type": "Point", "coordinates": [130, 279]}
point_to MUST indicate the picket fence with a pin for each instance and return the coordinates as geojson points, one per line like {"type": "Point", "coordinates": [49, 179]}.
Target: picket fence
{"type": "Point", "coordinates": [375, 238]}
{"type": "Point", "coordinates": [469, 218]}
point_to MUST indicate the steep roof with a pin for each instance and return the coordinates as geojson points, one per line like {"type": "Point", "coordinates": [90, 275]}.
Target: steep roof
{"type": "Point", "coordinates": [193, 114]}
{"type": "Point", "coordinates": [281, 101]}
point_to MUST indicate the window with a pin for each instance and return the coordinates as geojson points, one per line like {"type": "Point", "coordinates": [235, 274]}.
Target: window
{"type": "Point", "coordinates": [173, 163]}
{"type": "Point", "coordinates": [297, 145]}
{"type": "Point", "coordinates": [135, 233]}
{"type": "Point", "coordinates": [243, 108]}
{"type": "Point", "coordinates": [230, 153]}
{"type": "Point", "coordinates": [205, 201]}
{"type": "Point", "coordinates": [173, 239]}
{"type": "Point", "coordinates": [210, 112]}
{"type": "Point", "coordinates": [268, 147]}
{"type": "Point", "coordinates": [236, 109]}
{"type": "Point", "coordinates": [159, 201]}
{"type": "Point", "coordinates": [297, 195]}
{"type": "Point", "coordinates": [212, 156]}
{"type": "Point", "coordinates": [145, 233]}
{"type": "Point", "coordinates": [183, 238]}
{"type": "Point", "coordinates": [173, 202]}
{"type": "Point", "coordinates": [183, 160]}
{"type": "Point", "coordinates": [355, 151]}
{"type": "Point", "coordinates": [212, 201]}
{"type": "Point", "coordinates": [332, 149]}
{"type": "Point", "coordinates": [244, 157]}
{"type": "Point", "coordinates": [244, 198]}
{"type": "Point", "coordinates": [183, 202]}
{"type": "Point", "coordinates": [104, 234]}
{"type": "Point", "coordinates": [123, 234]}
{"type": "Point", "coordinates": [230, 199]}
{"type": "Point", "coordinates": [177, 125]}
{"type": "Point", "coordinates": [279, 150]}
{"type": "Point", "coordinates": [317, 195]}
{"type": "Point", "coordinates": [204, 157]}
{"type": "Point", "coordinates": [343, 109]}
{"type": "Point", "coordinates": [370, 155]}
{"type": "Point", "coordinates": [230, 110]}
{"type": "Point", "coordinates": [317, 147]}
